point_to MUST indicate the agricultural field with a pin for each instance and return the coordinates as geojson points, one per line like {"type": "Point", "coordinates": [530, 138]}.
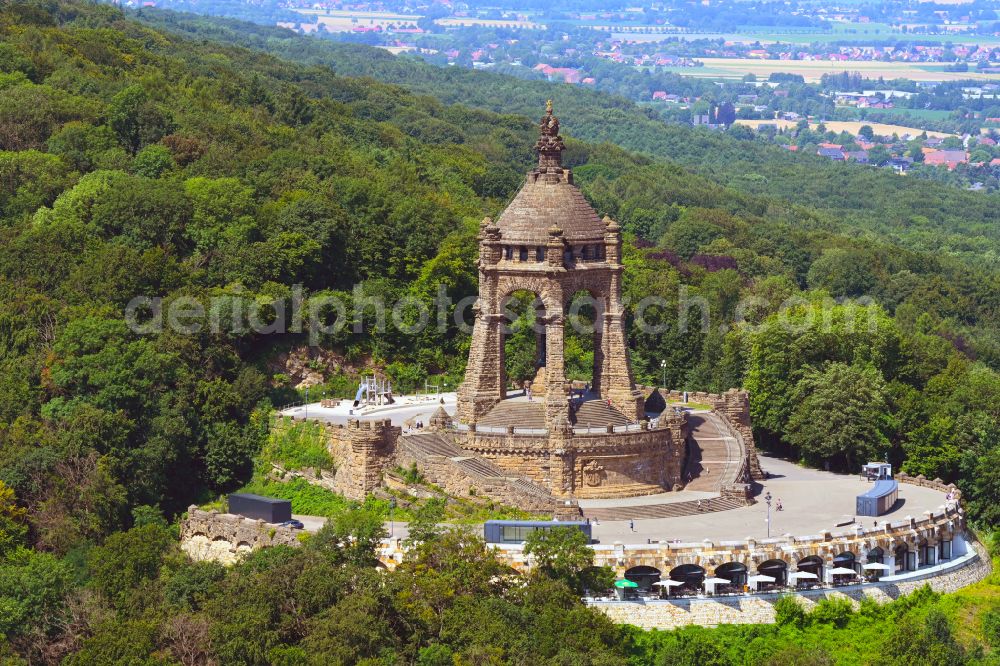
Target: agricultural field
{"type": "Point", "coordinates": [813, 70]}
{"type": "Point", "coordinates": [873, 115]}
{"type": "Point", "coordinates": [843, 32]}
{"type": "Point", "coordinates": [344, 21]}
{"type": "Point", "coordinates": [488, 23]}
{"type": "Point", "coordinates": [849, 126]}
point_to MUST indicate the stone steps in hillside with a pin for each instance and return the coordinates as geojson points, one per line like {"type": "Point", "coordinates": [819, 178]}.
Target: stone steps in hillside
{"type": "Point", "coordinates": [517, 413]}
{"type": "Point", "coordinates": [712, 455]}
{"type": "Point", "coordinates": [424, 446]}
{"type": "Point", "coordinates": [667, 510]}
{"type": "Point", "coordinates": [597, 414]}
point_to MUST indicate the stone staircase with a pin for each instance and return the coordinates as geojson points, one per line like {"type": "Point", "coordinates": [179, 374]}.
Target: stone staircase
{"type": "Point", "coordinates": [446, 464]}
{"type": "Point", "coordinates": [713, 456]}
{"type": "Point", "coordinates": [518, 413]}
{"type": "Point", "coordinates": [667, 510]}
{"type": "Point", "coordinates": [597, 414]}
{"type": "Point", "coordinates": [525, 414]}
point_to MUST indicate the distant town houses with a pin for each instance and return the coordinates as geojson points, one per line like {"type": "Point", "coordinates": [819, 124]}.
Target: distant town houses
{"type": "Point", "coordinates": [947, 158]}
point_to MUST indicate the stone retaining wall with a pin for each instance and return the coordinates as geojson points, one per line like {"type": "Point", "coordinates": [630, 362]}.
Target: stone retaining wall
{"type": "Point", "coordinates": [590, 465]}
{"type": "Point", "coordinates": [451, 478]}
{"type": "Point", "coordinates": [224, 538]}
{"type": "Point", "coordinates": [361, 450]}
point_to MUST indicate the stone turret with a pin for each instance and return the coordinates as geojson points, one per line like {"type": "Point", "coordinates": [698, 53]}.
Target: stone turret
{"type": "Point", "coordinates": [440, 420]}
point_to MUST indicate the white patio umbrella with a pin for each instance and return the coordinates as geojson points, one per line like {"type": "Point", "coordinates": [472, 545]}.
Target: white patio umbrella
{"type": "Point", "coordinates": [877, 566]}
{"type": "Point", "coordinates": [716, 581]}
{"type": "Point", "coordinates": [667, 583]}
{"type": "Point", "coordinates": [759, 578]}
{"type": "Point", "coordinates": [842, 571]}
{"type": "Point", "coordinates": [802, 575]}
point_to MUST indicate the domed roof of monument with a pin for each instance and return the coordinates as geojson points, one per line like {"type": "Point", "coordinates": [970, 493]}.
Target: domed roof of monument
{"type": "Point", "coordinates": [549, 199]}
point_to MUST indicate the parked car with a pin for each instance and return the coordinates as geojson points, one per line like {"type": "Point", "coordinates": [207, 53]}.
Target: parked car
{"type": "Point", "coordinates": [294, 524]}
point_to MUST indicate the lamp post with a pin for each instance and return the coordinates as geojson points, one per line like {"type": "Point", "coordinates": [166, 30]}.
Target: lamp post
{"type": "Point", "coordinates": [767, 498]}
{"type": "Point", "coordinates": [663, 367]}
{"type": "Point", "coordinates": [392, 505]}
{"type": "Point", "coordinates": [307, 402]}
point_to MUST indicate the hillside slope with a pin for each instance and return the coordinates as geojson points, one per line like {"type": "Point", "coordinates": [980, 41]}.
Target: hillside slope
{"type": "Point", "coordinates": [860, 200]}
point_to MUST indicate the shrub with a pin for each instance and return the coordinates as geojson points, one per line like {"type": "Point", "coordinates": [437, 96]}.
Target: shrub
{"type": "Point", "coordinates": [990, 622]}
{"type": "Point", "coordinates": [789, 612]}
{"type": "Point", "coordinates": [306, 498]}
{"type": "Point", "coordinates": [299, 446]}
{"type": "Point", "coordinates": [833, 611]}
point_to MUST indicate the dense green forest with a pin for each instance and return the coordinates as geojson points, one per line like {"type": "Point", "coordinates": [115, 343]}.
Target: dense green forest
{"type": "Point", "coordinates": [860, 202]}
{"type": "Point", "coordinates": [134, 162]}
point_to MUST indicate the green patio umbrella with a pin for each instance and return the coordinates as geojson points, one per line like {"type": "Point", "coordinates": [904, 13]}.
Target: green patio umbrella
{"type": "Point", "coordinates": [625, 582]}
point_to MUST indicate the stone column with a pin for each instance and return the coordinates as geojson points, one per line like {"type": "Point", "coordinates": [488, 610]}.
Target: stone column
{"type": "Point", "coordinates": [617, 384]}
{"type": "Point", "coordinates": [556, 401]}
{"type": "Point", "coordinates": [484, 381]}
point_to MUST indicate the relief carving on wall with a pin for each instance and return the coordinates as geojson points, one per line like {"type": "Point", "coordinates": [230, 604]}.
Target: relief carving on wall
{"type": "Point", "coordinates": [593, 473]}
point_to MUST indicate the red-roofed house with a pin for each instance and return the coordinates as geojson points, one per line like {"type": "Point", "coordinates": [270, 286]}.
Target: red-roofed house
{"type": "Point", "coordinates": [948, 158]}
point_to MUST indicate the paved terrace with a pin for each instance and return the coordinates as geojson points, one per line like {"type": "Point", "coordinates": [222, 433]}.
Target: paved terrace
{"type": "Point", "coordinates": [812, 501]}
{"type": "Point", "coordinates": [407, 408]}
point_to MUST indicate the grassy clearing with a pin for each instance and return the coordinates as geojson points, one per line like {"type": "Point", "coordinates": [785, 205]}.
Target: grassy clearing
{"type": "Point", "coordinates": [813, 70]}
{"type": "Point", "coordinates": [298, 446]}
{"type": "Point", "coordinates": [691, 405]}
{"type": "Point", "coordinates": [306, 498]}
{"type": "Point", "coordinates": [849, 126]}
{"type": "Point", "coordinates": [916, 114]}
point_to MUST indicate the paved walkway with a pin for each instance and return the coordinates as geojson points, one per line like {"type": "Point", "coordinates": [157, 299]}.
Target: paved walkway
{"type": "Point", "coordinates": [416, 408]}
{"type": "Point", "coordinates": [812, 500]}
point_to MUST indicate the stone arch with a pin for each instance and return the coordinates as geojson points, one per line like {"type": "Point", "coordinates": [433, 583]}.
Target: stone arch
{"type": "Point", "coordinates": [523, 313]}
{"type": "Point", "coordinates": [900, 554]}
{"type": "Point", "coordinates": [243, 547]}
{"type": "Point", "coordinates": [692, 575]}
{"type": "Point", "coordinates": [846, 559]}
{"type": "Point", "coordinates": [735, 572]}
{"type": "Point", "coordinates": [511, 284]}
{"type": "Point", "coordinates": [776, 569]}
{"type": "Point", "coordinates": [925, 552]}
{"type": "Point", "coordinates": [812, 564]}
{"type": "Point", "coordinates": [644, 575]}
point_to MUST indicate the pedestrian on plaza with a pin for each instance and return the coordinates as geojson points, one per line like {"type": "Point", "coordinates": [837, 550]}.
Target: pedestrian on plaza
{"type": "Point", "coordinates": [631, 525]}
{"type": "Point", "coordinates": [779, 507]}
